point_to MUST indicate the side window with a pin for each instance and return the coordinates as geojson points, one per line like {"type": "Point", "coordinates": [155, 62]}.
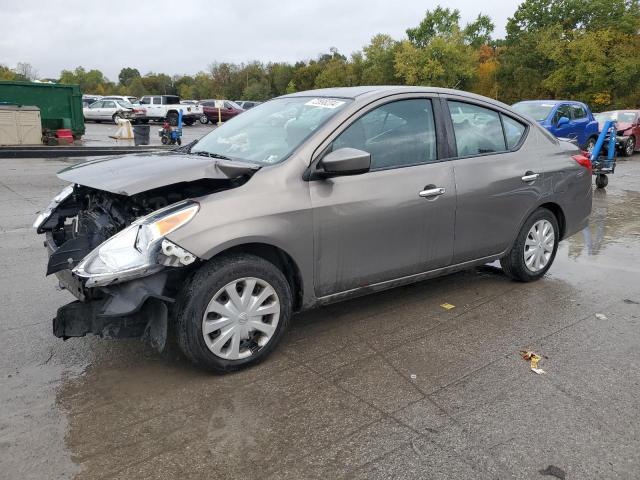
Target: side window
{"type": "Point", "coordinates": [562, 111]}
{"type": "Point", "coordinates": [109, 104]}
{"type": "Point", "coordinates": [145, 101]}
{"type": "Point", "coordinates": [513, 131]}
{"type": "Point", "coordinates": [96, 105]}
{"type": "Point", "coordinates": [396, 134]}
{"type": "Point", "coordinates": [157, 100]}
{"type": "Point", "coordinates": [477, 129]}
{"type": "Point", "coordinates": [578, 112]}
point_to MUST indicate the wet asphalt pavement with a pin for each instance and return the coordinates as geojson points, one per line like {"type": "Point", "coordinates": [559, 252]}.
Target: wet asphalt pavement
{"type": "Point", "coordinates": [386, 386]}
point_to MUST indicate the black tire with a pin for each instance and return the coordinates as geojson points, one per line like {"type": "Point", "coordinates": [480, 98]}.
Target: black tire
{"type": "Point", "coordinates": [115, 117]}
{"type": "Point", "coordinates": [172, 118]}
{"type": "Point", "coordinates": [164, 140]}
{"type": "Point", "coordinates": [203, 119]}
{"type": "Point", "coordinates": [629, 147]}
{"type": "Point", "coordinates": [513, 264]}
{"type": "Point", "coordinates": [591, 143]}
{"type": "Point", "coordinates": [602, 181]}
{"type": "Point", "coordinates": [189, 121]}
{"type": "Point", "coordinates": [198, 292]}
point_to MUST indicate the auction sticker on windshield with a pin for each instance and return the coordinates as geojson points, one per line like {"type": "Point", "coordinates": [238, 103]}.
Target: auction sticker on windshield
{"type": "Point", "coordinates": [325, 103]}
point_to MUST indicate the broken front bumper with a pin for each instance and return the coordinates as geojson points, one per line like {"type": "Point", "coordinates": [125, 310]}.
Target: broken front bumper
{"type": "Point", "coordinates": [131, 309]}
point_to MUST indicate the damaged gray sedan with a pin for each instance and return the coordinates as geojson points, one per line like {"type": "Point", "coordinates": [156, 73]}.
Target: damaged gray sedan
{"type": "Point", "coordinates": [305, 200]}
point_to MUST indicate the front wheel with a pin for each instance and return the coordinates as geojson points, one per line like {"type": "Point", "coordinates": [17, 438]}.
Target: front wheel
{"type": "Point", "coordinates": [629, 147]}
{"type": "Point", "coordinates": [203, 119]}
{"type": "Point", "coordinates": [591, 144]}
{"type": "Point", "coordinates": [534, 249]}
{"type": "Point", "coordinates": [233, 312]}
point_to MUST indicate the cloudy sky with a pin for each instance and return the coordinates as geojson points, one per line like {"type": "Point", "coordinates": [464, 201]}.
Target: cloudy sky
{"type": "Point", "coordinates": [184, 36]}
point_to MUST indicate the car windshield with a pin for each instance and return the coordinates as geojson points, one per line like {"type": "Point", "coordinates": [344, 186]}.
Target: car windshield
{"type": "Point", "coordinates": [625, 117]}
{"type": "Point", "coordinates": [269, 132]}
{"type": "Point", "coordinates": [536, 110]}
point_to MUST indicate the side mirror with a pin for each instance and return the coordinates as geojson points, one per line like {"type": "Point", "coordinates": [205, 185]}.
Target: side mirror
{"type": "Point", "coordinates": [345, 161]}
{"type": "Point", "coordinates": [563, 121]}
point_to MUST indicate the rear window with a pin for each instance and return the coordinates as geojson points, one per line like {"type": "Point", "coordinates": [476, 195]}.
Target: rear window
{"type": "Point", "coordinates": [170, 100]}
{"type": "Point", "coordinates": [478, 130]}
{"type": "Point", "coordinates": [578, 112]}
{"type": "Point", "coordinates": [513, 131]}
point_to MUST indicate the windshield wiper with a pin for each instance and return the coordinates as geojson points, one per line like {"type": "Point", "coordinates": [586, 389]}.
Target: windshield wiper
{"type": "Point", "coordinates": [212, 155]}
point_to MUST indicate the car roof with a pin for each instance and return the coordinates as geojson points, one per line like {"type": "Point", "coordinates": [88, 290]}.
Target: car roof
{"type": "Point", "coordinates": [372, 92]}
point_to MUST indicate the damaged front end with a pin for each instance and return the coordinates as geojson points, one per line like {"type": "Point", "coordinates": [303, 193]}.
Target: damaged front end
{"type": "Point", "coordinates": [111, 252]}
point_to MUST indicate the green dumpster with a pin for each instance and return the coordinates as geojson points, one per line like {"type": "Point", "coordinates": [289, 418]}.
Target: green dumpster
{"type": "Point", "coordinates": [60, 105]}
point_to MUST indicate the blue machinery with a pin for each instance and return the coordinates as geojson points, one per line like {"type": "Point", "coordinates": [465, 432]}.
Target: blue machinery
{"type": "Point", "coordinates": [602, 166]}
{"type": "Point", "coordinates": [171, 135]}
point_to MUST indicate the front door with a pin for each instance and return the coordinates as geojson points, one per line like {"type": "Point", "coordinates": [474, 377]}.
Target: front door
{"type": "Point", "coordinates": [393, 221]}
{"type": "Point", "coordinates": [568, 130]}
{"type": "Point", "coordinates": [497, 182]}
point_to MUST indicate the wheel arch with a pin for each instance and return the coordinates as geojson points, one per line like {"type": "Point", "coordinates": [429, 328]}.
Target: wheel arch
{"type": "Point", "coordinates": [279, 258]}
{"type": "Point", "coordinates": [557, 211]}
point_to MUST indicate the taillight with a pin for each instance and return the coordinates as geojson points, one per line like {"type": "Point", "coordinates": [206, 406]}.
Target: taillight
{"type": "Point", "coordinates": [583, 160]}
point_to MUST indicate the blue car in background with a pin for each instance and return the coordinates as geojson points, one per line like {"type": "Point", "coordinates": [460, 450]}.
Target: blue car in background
{"type": "Point", "coordinates": [564, 119]}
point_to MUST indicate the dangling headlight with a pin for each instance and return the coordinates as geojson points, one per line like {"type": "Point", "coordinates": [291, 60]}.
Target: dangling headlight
{"type": "Point", "coordinates": [137, 250]}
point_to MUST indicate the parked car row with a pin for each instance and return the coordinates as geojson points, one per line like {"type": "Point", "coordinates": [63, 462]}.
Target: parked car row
{"type": "Point", "coordinates": [161, 108]}
{"type": "Point", "coordinates": [575, 121]}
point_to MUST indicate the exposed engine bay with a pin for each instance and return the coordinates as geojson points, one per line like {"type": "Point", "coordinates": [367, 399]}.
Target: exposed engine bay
{"type": "Point", "coordinates": [89, 216]}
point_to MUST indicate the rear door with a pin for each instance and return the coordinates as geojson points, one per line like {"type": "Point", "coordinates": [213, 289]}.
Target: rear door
{"type": "Point", "coordinates": [497, 180]}
{"type": "Point", "coordinates": [382, 225]}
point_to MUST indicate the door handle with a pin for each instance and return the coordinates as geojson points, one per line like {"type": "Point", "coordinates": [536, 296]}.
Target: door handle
{"type": "Point", "coordinates": [432, 192]}
{"type": "Point", "coordinates": [530, 177]}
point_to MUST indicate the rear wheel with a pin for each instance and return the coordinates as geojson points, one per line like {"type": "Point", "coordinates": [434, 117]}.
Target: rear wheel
{"type": "Point", "coordinates": [203, 119]}
{"type": "Point", "coordinates": [534, 249]}
{"type": "Point", "coordinates": [233, 312]}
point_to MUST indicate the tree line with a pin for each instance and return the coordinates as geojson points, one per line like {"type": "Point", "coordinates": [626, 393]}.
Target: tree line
{"type": "Point", "coordinates": [586, 50]}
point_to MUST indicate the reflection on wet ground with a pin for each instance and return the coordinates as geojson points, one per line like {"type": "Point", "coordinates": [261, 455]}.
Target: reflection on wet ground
{"type": "Point", "coordinates": [387, 386]}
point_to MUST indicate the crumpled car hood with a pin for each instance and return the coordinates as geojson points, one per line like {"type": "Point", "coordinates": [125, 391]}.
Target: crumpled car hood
{"type": "Point", "coordinates": [133, 174]}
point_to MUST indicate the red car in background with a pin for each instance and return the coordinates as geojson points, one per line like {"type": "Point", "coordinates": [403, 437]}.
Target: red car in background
{"type": "Point", "coordinates": [230, 109]}
{"type": "Point", "coordinates": [627, 126]}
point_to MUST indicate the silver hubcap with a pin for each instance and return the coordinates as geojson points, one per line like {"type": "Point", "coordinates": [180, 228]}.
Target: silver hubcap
{"type": "Point", "coordinates": [539, 245]}
{"type": "Point", "coordinates": [241, 318]}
